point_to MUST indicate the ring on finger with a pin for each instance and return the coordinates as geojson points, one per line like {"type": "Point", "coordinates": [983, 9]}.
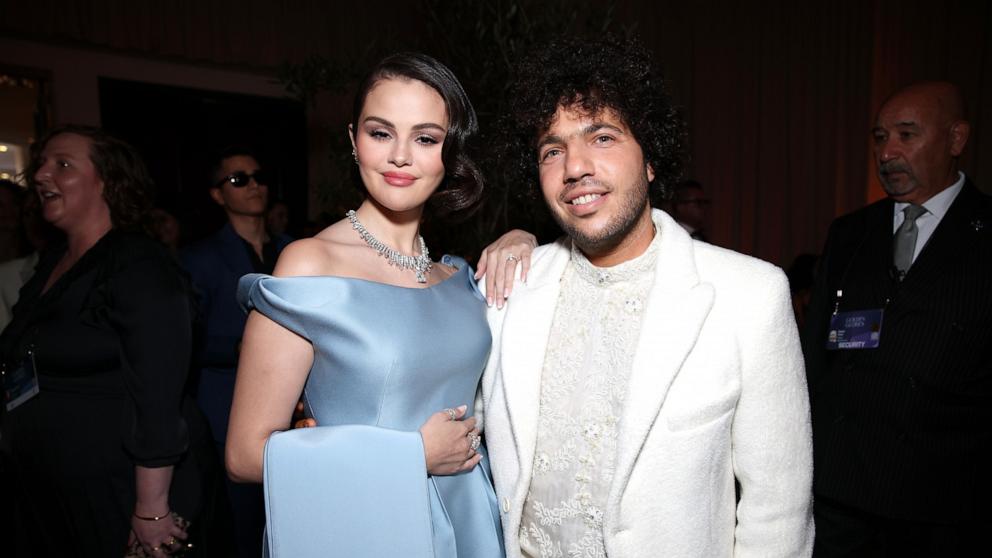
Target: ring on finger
{"type": "Point", "coordinates": [451, 413]}
{"type": "Point", "coordinates": [512, 258]}
{"type": "Point", "coordinates": [476, 441]}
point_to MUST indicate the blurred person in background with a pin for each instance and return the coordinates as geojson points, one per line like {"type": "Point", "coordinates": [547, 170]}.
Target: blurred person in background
{"type": "Point", "coordinates": [95, 425]}
{"type": "Point", "coordinates": [11, 239]}
{"type": "Point", "coordinates": [689, 206]}
{"type": "Point", "coordinates": [801, 275]}
{"type": "Point", "coordinates": [38, 234]}
{"type": "Point", "coordinates": [277, 218]}
{"type": "Point", "coordinates": [164, 227]}
{"type": "Point", "coordinates": [898, 347]}
{"type": "Point", "coordinates": [239, 185]}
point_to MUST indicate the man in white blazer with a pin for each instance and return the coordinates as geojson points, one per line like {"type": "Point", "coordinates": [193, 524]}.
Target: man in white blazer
{"type": "Point", "coordinates": [638, 373]}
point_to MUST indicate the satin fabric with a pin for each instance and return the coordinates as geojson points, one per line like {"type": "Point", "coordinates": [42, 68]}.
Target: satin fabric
{"type": "Point", "coordinates": [385, 359]}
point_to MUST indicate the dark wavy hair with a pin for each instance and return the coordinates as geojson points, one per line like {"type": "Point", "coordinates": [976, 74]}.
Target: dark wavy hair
{"type": "Point", "coordinates": [460, 193]}
{"type": "Point", "coordinates": [127, 186]}
{"type": "Point", "coordinates": [225, 153]}
{"type": "Point", "coordinates": [593, 76]}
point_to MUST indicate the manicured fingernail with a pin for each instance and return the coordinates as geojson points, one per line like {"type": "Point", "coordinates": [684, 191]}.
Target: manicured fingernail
{"type": "Point", "coordinates": [489, 301]}
{"type": "Point", "coordinates": [506, 293]}
{"type": "Point", "coordinates": [463, 407]}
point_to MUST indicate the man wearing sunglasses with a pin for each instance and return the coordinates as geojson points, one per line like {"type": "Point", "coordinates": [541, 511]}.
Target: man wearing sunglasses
{"type": "Point", "coordinates": [239, 185]}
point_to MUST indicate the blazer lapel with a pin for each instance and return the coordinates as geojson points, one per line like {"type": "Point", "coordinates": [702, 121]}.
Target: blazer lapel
{"type": "Point", "coordinates": [675, 312]}
{"type": "Point", "coordinates": [948, 241]}
{"type": "Point", "coordinates": [526, 330]}
{"type": "Point", "coordinates": [863, 267]}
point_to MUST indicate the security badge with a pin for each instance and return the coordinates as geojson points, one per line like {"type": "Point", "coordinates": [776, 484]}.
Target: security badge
{"type": "Point", "coordinates": [20, 384]}
{"type": "Point", "coordinates": [856, 329]}
{"type": "Point", "coordinates": [862, 329]}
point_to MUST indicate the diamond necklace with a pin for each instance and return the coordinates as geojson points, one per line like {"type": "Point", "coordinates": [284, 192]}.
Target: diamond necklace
{"type": "Point", "coordinates": [420, 264]}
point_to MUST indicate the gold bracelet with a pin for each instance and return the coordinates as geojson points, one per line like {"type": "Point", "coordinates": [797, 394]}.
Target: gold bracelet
{"type": "Point", "coordinates": [154, 517]}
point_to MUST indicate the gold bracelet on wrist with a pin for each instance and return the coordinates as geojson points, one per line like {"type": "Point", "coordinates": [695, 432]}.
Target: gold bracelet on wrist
{"type": "Point", "coordinates": [154, 517]}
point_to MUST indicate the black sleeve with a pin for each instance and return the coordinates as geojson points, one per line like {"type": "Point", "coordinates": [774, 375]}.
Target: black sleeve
{"type": "Point", "coordinates": [152, 315]}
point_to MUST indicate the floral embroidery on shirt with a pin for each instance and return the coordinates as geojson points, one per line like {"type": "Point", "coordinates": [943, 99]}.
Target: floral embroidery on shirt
{"type": "Point", "coordinates": [547, 548]}
{"type": "Point", "coordinates": [589, 357]}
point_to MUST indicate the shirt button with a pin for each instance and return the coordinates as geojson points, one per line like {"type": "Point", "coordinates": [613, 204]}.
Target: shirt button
{"type": "Point", "coordinates": [506, 505]}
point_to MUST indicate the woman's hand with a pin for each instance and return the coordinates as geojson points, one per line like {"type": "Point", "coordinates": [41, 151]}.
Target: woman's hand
{"type": "Point", "coordinates": [499, 263]}
{"type": "Point", "coordinates": [448, 442]}
{"type": "Point", "coordinates": [158, 538]}
{"type": "Point", "coordinates": [158, 534]}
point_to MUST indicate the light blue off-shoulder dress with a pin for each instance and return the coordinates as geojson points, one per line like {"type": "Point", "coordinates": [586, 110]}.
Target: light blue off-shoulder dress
{"type": "Point", "coordinates": [385, 359]}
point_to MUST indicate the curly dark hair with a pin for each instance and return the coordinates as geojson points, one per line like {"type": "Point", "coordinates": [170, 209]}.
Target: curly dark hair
{"type": "Point", "coordinates": [460, 193]}
{"type": "Point", "coordinates": [127, 186]}
{"type": "Point", "coordinates": [592, 75]}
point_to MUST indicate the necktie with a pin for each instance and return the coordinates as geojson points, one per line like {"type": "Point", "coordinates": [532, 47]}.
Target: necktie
{"type": "Point", "coordinates": [905, 241]}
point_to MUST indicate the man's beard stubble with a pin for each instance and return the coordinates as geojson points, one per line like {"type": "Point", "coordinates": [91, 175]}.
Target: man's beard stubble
{"type": "Point", "coordinates": [629, 209]}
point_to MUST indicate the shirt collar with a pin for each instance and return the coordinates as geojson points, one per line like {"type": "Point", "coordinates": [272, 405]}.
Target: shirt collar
{"type": "Point", "coordinates": [939, 204]}
{"type": "Point", "coordinates": [630, 269]}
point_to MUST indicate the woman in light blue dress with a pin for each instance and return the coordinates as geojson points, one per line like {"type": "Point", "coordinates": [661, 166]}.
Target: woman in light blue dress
{"type": "Point", "coordinates": [385, 347]}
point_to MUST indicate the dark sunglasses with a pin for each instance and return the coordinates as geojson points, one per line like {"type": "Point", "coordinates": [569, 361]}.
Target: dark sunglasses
{"type": "Point", "coordinates": [240, 179]}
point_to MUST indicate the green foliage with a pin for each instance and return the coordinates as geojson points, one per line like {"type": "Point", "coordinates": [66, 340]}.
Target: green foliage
{"type": "Point", "coordinates": [480, 41]}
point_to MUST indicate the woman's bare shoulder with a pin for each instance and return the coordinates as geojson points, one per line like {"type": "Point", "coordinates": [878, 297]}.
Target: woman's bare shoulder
{"type": "Point", "coordinates": [326, 253]}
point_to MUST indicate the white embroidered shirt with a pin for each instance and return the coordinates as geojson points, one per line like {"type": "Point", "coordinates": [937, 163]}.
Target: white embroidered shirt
{"type": "Point", "coordinates": [584, 380]}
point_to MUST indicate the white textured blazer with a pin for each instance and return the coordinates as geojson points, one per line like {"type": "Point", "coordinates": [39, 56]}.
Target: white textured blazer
{"type": "Point", "coordinates": [717, 392]}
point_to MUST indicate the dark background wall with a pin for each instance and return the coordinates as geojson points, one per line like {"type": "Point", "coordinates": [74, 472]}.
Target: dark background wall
{"type": "Point", "coordinates": [779, 95]}
{"type": "Point", "coordinates": [182, 129]}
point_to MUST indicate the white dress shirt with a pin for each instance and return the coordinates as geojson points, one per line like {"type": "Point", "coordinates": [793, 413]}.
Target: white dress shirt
{"type": "Point", "coordinates": [936, 207]}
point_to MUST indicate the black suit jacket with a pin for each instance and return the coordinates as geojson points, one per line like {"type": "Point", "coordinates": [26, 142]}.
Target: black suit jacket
{"type": "Point", "coordinates": [905, 430]}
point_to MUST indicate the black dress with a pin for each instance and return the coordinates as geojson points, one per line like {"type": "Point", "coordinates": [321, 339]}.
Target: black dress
{"type": "Point", "coordinates": [111, 342]}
